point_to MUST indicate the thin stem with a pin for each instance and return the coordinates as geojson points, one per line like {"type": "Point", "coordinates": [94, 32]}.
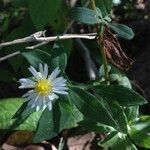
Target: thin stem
{"type": "Point", "coordinates": [37, 37]}
{"type": "Point", "coordinates": [9, 56]}
{"type": "Point", "coordinates": [93, 4]}
{"type": "Point", "coordinates": [102, 49]}
{"type": "Point", "coordinates": [101, 42]}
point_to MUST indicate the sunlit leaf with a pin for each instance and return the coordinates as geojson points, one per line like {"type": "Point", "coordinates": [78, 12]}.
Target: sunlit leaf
{"type": "Point", "coordinates": [140, 132]}
{"type": "Point", "coordinates": [8, 108]}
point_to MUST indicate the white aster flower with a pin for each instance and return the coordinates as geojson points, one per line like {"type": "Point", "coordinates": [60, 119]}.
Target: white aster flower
{"type": "Point", "coordinates": [44, 88]}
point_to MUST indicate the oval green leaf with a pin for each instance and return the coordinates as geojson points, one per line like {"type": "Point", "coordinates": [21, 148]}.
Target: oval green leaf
{"type": "Point", "coordinates": [122, 30]}
{"type": "Point", "coordinates": [85, 15]}
{"type": "Point", "coordinates": [92, 107]}
{"type": "Point", "coordinates": [124, 96]}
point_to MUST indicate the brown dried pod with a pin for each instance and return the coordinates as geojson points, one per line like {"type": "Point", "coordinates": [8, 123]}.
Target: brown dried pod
{"type": "Point", "coordinates": [115, 55]}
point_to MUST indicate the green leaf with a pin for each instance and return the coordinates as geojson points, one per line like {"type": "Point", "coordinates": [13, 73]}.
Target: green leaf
{"type": "Point", "coordinates": [97, 127]}
{"type": "Point", "coordinates": [24, 111]}
{"type": "Point", "coordinates": [18, 3]}
{"type": "Point", "coordinates": [91, 107]}
{"type": "Point", "coordinates": [122, 30]}
{"type": "Point", "coordinates": [132, 113]}
{"type": "Point", "coordinates": [108, 19]}
{"type": "Point", "coordinates": [8, 108]}
{"type": "Point", "coordinates": [117, 141]}
{"type": "Point", "coordinates": [68, 45]}
{"type": "Point", "coordinates": [85, 15]}
{"type": "Point", "coordinates": [124, 144]}
{"type": "Point", "coordinates": [59, 56]}
{"type": "Point", "coordinates": [60, 61]}
{"type": "Point", "coordinates": [37, 56]}
{"type": "Point", "coordinates": [75, 118]}
{"type": "Point", "coordinates": [105, 6]}
{"type": "Point", "coordinates": [54, 121]}
{"type": "Point", "coordinates": [124, 96]}
{"type": "Point", "coordinates": [99, 13]}
{"type": "Point", "coordinates": [140, 132]}
{"type": "Point", "coordinates": [110, 140]}
{"type": "Point", "coordinates": [43, 12]}
{"type": "Point", "coordinates": [25, 29]}
{"type": "Point", "coordinates": [117, 112]}
{"type": "Point", "coordinates": [60, 23]}
{"type": "Point", "coordinates": [121, 79]}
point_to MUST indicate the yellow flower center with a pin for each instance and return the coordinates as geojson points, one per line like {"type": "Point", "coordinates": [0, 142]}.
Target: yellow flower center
{"type": "Point", "coordinates": [43, 87]}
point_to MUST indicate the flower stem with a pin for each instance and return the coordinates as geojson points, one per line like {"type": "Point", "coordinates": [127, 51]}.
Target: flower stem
{"type": "Point", "coordinates": [100, 39]}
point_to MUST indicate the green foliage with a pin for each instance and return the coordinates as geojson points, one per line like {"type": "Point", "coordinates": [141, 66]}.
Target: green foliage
{"type": "Point", "coordinates": [132, 113]}
{"type": "Point", "coordinates": [59, 56]}
{"type": "Point", "coordinates": [92, 108]}
{"type": "Point", "coordinates": [100, 16]}
{"type": "Point", "coordinates": [43, 12]}
{"type": "Point", "coordinates": [118, 141]}
{"type": "Point", "coordinates": [62, 116]}
{"type": "Point", "coordinates": [37, 56]}
{"type": "Point", "coordinates": [97, 127]}
{"type": "Point", "coordinates": [122, 30]}
{"type": "Point", "coordinates": [140, 132]}
{"type": "Point", "coordinates": [118, 114]}
{"type": "Point", "coordinates": [124, 96]}
{"type": "Point", "coordinates": [105, 6]}
{"type": "Point", "coordinates": [124, 144]}
{"type": "Point", "coordinates": [8, 108]}
{"type": "Point", "coordinates": [121, 79]}
{"type": "Point", "coordinates": [85, 15]}
{"type": "Point", "coordinates": [111, 139]}
{"type": "Point", "coordinates": [108, 106]}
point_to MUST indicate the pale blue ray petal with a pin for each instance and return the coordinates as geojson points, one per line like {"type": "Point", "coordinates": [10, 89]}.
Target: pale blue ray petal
{"type": "Point", "coordinates": [54, 74]}
{"type": "Point", "coordinates": [34, 72]}
{"type": "Point", "coordinates": [33, 100]}
{"type": "Point", "coordinates": [59, 80]}
{"type": "Point", "coordinates": [26, 86]}
{"type": "Point", "coordinates": [41, 69]}
{"type": "Point", "coordinates": [49, 106]}
{"type": "Point", "coordinates": [45, 71]}
{"type": "Point", "coordinates": [60, 92]}
{"type": "Point", "coordinates": [26, 81]}
{"type": "Point", "coordinates": [53, 96]}
{"type": "Point", "coordinates": [60, 85]}
{"type": "Point", "coordinates": [39, 104]}
{"type": "Point", "coordinates": [60, 88]}
{"type": "Point", "coordinates": [31, 96]}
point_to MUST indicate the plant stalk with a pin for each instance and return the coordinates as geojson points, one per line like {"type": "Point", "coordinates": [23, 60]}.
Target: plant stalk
{"type": "Point", "coordinates": [100, 38]}
{"type": "Point", "coordinates": [102, 49]}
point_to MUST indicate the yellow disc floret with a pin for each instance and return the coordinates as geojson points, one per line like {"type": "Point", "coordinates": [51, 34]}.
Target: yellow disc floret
{"type": "Point", "coordinates": [43, 87]}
